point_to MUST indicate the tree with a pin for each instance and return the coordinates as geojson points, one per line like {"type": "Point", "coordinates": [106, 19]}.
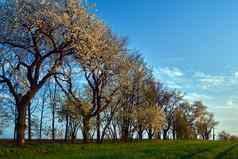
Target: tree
{"type": "Point", "coordinates": [106, 90]}
{"type": "Point", "coordinates": [181, 126]}
{"type": "Point", "coordinates": [42, 110]}
{"type": "Point", "coordinates": [183, 123]}
{"type": "Point", "coordinates": [107, 118]}
{"type": "Point", "coordinates": [169, 101]}
{"type": "Point", "coordinates": [204, 122]}
{"type": "Point", "coordinates": [32, 120]}
{"type": "Point", "coordinates": [101, 61]}
{"type": "Point", "coordinates": [35, 39]}
{"type": "Point", "coordinates": [54, 104]}
{"type": "Point", "coordinates": [71, 114]}
{"type": "Point", "coordinates": [151, 119]}
{"type": "Point", "coordinates": [132, 98]}
{"type": "Point", "coordinates": [156, 116]}
{"type": "Point", "coordinates": [148, 117]}
{"type": "Point", "coordinates": [102, 67]}
{"type": "Point", "coordinates": [224, 136]}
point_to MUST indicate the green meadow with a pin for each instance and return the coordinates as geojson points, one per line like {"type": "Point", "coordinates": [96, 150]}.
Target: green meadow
{"type": "Point", "coordinates": [136, 150]}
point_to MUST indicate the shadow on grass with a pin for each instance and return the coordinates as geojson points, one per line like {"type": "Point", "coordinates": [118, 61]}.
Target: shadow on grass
{"type": "Point", "coordinates": [191, 155]}
{"type": "Point", "coordinates": [224, 153]}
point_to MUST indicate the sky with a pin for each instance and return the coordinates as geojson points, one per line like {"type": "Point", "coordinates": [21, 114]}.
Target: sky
{"type": "Point", "coordinates": [192, 46]}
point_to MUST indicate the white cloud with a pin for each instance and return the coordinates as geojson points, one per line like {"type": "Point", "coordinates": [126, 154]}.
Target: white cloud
{"type": "Point", "coordinates": [173, 85]}
{"type": "Point", "coordinates": [195, 97]}
{"type": "Point", "coordinates": [199, 74]}
{"type": "Point", "coordinates": [230, 102]}
{"type": "Point", "coordinates": [235, 75]}
{"type": "Point", "coordinates": [209, 81]}
{"type": "Point", "coordinates": [172, 77]}
{"type": "Point", "coordinates": [171, 72]}
{"type": "Point", "coordinates": [217, 91]}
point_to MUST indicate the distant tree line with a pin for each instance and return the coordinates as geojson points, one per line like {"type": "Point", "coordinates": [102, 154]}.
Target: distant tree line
{"type": "Point", "coordinates": [64, 74]}
{"type": "Point", "coordinates": [224, 136]}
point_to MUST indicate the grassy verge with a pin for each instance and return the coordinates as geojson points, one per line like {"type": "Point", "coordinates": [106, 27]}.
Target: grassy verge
{"type": "Point", "coordinates": [143, 150]}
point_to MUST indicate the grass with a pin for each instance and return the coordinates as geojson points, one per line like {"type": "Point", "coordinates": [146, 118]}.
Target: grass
{"type": "Point", "coordinates": [144, 150]}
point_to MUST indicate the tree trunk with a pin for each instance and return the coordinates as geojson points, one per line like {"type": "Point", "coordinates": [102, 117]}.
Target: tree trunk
{"type": "Point", "coordinates": [66, 128]}
{"type": "Point", "coordinates": [106, 127]}
{"type": "Point", "coordinates": [29, 121]}
{"type": "Point", "coordinates": [159, 135]}
{"type": "Point", "coordinates": [98, 124]}
{"type": "Point", "coordinates": [125, 128]}
{"type": "Point", "coordinates": [207, 136]}
{"type": "Point", "coordinates": [213, 134]}
{"type": "Point", "coordinates": [104, 132]}
{"type": "Point", "coordinates": [174, 134]}
{"type": "Point", "coordinates": [53, 99]}
{"type": "Point", "coordinates": [113, 131]}
{"type": "Point", "coordinates": [165, 134]}
{"type": "Point", "coordinates": [73, 139]}
{"type": "Point", "coordinates": [103, 135]}
{"type": "Point", "coordinates": [140, 133]}
{"type": "Point", "coordinates": [125, 133]}
{"type": "Point", "coordinates": [41, 117]}
{"type": "Point", "coordinates": [150, 134]}
{"type": "Point", "coordinates": [86, 129]}
{"type": "Point", "coordinates": [21, 123]}
{"type": "Point", "coordinates": [41, 122]}
{"type": "Point", "coordinates": [15, 132]}
{"type": "Point", "coordinates": [22, 104]}
{"type": "Point", "coordinates": [53, 123]}
{"type": "Point", "coordinates": [15, 124]}
{"type": "Point", "coordinates": [73, 133]}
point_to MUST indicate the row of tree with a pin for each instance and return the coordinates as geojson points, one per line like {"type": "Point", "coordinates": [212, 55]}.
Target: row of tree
{"type": "Point", "coordinates": [224, 136]}
{"type": "Point", "coordinates": [63, 70]}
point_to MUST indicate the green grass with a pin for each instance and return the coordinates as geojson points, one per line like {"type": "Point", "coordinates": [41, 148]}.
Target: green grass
{"type": "Point", "coordinates": [144, 150]}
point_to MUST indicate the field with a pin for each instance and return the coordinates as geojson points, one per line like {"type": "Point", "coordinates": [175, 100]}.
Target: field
{"type": "Point", "coordinates": [144, 150]}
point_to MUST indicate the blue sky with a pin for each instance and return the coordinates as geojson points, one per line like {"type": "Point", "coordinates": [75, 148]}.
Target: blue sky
{"type": "Point", "coordinates": [192, 46]}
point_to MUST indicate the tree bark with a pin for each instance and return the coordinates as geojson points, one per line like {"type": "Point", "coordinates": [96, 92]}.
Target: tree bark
{"type": "Point", "coordinates": [174, 134]}
{"type": "Point", "coordinates": [53, 123]}
{"type": "Point", "coordinates": [98, 124]}
{"type": "Point", "coordinates": [125, 133]}
{"type": "Point", "coordinates": [15, 124]}
{"type": "Point", "coordinates": [140, 133]}
{"type": "Point", "coordinates": [41, 122]}
{"type": "Point", "coordinates": [66, 128]}
{"type": "Point", "coordinates": [53, 113]}
{"type": "Point", "coordinates": [29, 121]}
{"type": "Point", "coordinates": [159, 135]}
{"type": "Point", "coordinates": [165, 134]}
{"type": "Point", "coordinates": [41, 117]}
{"type": "Point", "coordinates": [150, 134]}
{"type": "Point", "coordinates": [22, 103]}
{"type": "Point", "coordinates": [73, 139]}
{"type": "Point", "coordinates": [73, 132]}
{"type": "Point", "coordinates": [106, 127]}
{"type": "Point", "coordinates": [21, 123]}
{"type": "Point", "coordinates": [86, 129]}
